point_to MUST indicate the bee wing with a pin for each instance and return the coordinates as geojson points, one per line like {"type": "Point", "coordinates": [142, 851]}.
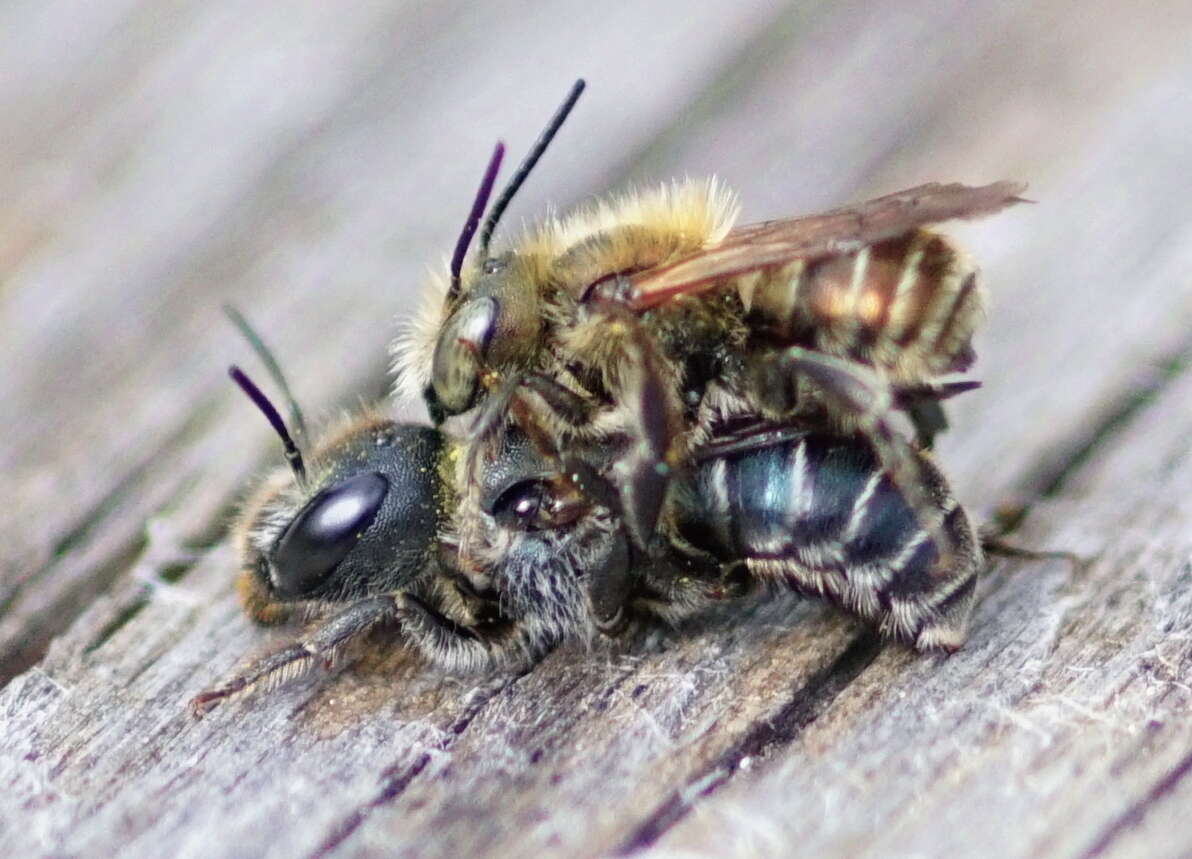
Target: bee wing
{"type": "Point", "coordinates": [829, 234]}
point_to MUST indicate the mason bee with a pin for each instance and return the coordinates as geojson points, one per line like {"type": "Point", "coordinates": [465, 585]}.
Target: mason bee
{"type": "Point", "coordinates": [372, 529]}
{"type": "Point", "coordinates": [666, 411]}
{"type": "Point", "coordinates": [379, 525]}
{"type": "Point", "coordinates": [482, 560]}
{"type": "Point", "coordinates": [648, 323]}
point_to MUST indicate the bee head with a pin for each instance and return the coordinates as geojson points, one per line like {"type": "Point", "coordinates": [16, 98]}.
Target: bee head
{"type": "Point", "coordinates": [500, 309]}
{"type": "Point", "coordinates": [363, 518]}
{"type": "Point", "coordinates": [497, 324]}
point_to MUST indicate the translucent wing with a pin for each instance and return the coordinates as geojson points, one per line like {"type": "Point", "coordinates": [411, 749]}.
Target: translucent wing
{"type": "Point", "coordinates": [840, 231]}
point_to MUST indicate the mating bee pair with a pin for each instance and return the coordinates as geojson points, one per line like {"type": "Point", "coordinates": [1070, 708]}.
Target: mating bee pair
{"type": "Point", "coordinates": [640, 410]}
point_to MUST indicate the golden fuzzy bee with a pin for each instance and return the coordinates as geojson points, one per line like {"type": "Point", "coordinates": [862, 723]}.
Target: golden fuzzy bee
{"type": "Point", "coordinates": [652, 324]}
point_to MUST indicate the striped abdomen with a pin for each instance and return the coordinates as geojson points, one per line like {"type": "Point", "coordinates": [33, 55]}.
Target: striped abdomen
{"type": "Point", "coordinates": [907, 305]}
{"type": "Point", "coordinates": [817, 514]}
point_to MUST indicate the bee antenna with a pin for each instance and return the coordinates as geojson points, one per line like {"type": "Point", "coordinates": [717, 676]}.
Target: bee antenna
{"type": "Point", "coordinates": [478, 206]}
{"type": "Point", "coordinates": [523, 170]}
{"type": "Point", "coordinates": [266, 355]}
{"type": "Point", "coordinates": [293, 455]}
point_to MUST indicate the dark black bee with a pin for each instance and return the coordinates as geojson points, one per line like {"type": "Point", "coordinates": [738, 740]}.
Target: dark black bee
{"type": "Point", "coordinates": [385, 524]}
{"type": "Point", "coordinates": [362, 528]}
{"type": "Point", "coordinates": [489, 558]}
{"type": "Point", "coordinates": [807, 510]}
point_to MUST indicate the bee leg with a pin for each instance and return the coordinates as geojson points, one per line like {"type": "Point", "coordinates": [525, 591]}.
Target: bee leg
{"type": "Point", "coordinates": [919, 600]}
{"type": "Point", "coordinates": [442, 641]}
{"type": "Point", "coordinates": [929, 420]}
{"type": "Point", "coordinates": [321, 650]}
{"type": "Point", "coordinates": [636, 486]}
{"type": "Point", "coordinates": [922, 405]}
{"type": "Point", "coordinates": [651, 411]}
{"type": "Point", "coordinates": [869, 399]}
{"type": "Point", "coordinates": [648, 403]}
{"type": "Point", "coordinates": [563, 403]}
{"type": "Point", "coordinates": [537, 405]}
{"type": "Point", "coordinates": [611, 580]}
{"type": "Point", "coordinates": [684, 586]}
{"type": "Point", "coordinates": [493, 643]}
{"type": "Point", "coordinates": [926, 604]}
{"type": "Point", "coordinates": [611, 576]}
{"type": "Point", "coordinates": [462, 649]}
{"type": "Point", "coordinates": [640, 477]}
{"type": "Point", "coordinates": [643, 473]}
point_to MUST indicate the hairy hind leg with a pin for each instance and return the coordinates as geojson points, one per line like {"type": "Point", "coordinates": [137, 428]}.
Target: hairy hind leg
{"type": "Point", "coordinates": [322, 649]}
{"type": "Point", "coordinates": [441, 640]}
{"type": "Point", "coordinates": [923, 405]}
{"type": "Point", "coordinates": [868, 400]}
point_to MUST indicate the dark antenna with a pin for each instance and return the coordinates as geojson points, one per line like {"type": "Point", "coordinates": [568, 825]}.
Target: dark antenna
{"type": "Point", "coordinates": [293, 455]}
{"type": "Point", "coordinates": [478, 206]}
{"type": "Point", "coordinates": [266, 355]}
{"type": "Point", "coordinates": [527, 165]}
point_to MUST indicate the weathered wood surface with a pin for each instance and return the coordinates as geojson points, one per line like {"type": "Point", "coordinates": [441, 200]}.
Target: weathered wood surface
{"type": "Point", "coordinates": [307, 161]}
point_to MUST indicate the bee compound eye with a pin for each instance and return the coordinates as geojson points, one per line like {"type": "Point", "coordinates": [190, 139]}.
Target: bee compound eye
{"type": "Point", "coordinates": [522, 506]}
{"type": "Point", "coordinates": [536, 505]}
{"type": "Point", "coordinates": [461, 346]}
{"type": "Point", "coordinates": [325, 531]}
{"type": "Point", "coordinates": [475, 321]}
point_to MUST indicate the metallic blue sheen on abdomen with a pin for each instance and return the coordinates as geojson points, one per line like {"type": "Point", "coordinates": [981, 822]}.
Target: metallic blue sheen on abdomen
{"type": "Point", "coordinates": [813, 498]}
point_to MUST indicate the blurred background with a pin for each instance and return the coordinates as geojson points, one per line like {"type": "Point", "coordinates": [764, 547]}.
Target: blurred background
{"type": "Point", "coordinates": [309, 161]}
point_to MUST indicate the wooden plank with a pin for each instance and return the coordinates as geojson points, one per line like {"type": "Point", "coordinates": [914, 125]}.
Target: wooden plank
{"type": "Point", "coordinates": [654, 742]}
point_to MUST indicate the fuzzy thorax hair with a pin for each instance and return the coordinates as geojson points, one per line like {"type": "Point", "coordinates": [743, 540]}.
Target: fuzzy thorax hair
{"type": "Point", "coordinates": [675, 219]}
